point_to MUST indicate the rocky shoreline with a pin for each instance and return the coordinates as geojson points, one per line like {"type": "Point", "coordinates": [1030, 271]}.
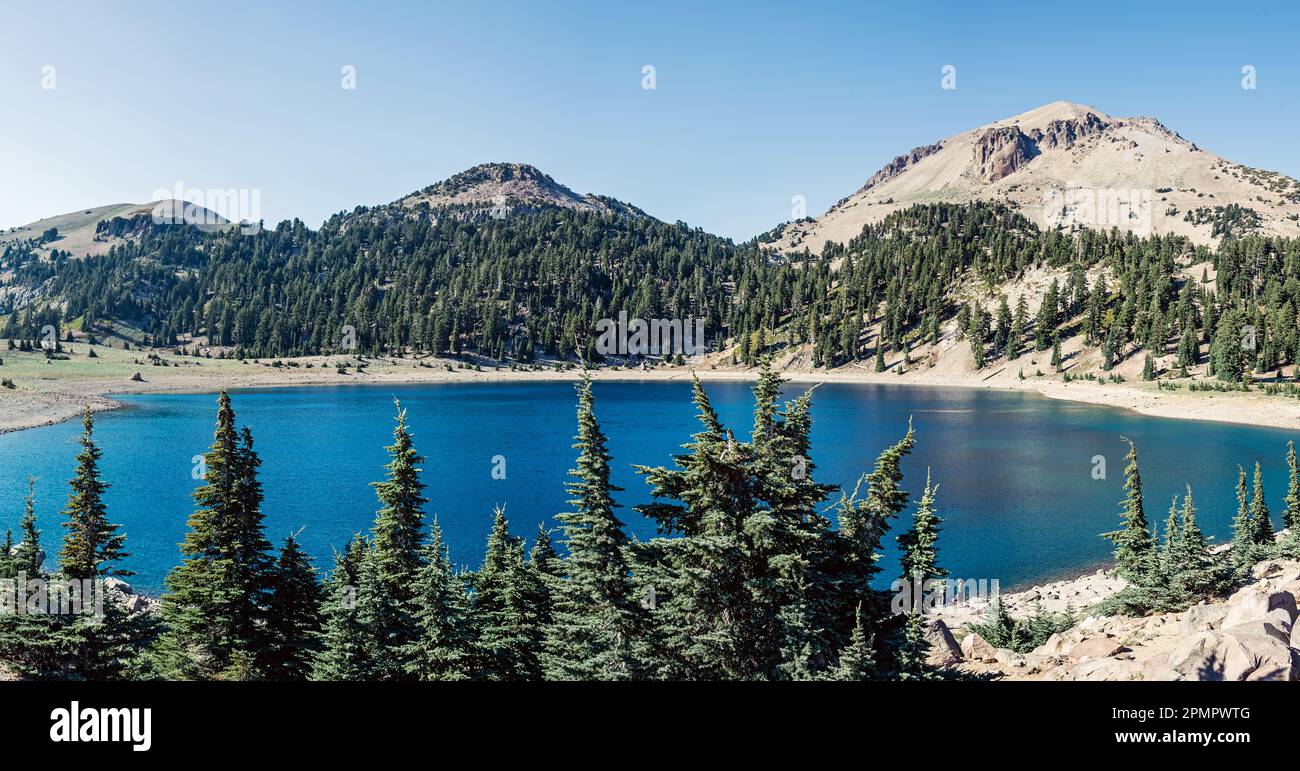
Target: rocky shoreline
{"type": "Point", "coordinates": [1251, 635]}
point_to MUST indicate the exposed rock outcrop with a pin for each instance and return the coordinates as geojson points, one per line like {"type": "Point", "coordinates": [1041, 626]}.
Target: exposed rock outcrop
{"type": "Point", "coordinates": [120, 591]}
{"type": "Point", "coordinates": [900, 164]}
{"type": "Point", "coordinates": [1064, 133]}
{"type": "Point", "coordinates": [1002, 151]}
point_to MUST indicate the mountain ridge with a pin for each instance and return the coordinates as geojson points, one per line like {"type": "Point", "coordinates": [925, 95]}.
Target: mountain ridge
{"type": "Point", "coordinates": [1032, 160]}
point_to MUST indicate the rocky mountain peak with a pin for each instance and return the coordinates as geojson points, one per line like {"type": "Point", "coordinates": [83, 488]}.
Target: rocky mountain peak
{"type": "Point", "coordinates": [509, 188]}
{"type": "Point", "coordinates": [1028, 160]}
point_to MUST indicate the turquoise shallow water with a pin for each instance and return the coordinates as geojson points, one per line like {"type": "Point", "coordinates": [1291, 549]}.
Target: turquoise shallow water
{"type": "Point", "coordinates": [1017, 493]}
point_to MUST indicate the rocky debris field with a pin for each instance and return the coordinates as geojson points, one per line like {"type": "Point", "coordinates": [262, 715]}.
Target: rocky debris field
{"type": "Point", "coordinates": [1249, 636]}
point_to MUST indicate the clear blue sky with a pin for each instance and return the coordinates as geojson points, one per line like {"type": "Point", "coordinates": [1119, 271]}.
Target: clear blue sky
{"type": "Point", "coordinates": [755, 102]}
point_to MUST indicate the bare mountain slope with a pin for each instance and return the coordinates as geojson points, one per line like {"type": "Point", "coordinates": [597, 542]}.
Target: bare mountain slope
{"type": "Point", "coordinates": [1070, 164]}
{"type": "Point", "coordinates": [78, 232]}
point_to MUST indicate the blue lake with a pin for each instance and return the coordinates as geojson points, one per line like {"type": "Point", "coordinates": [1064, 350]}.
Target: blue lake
{"type": "Point", "coordinates": [1017, 492]}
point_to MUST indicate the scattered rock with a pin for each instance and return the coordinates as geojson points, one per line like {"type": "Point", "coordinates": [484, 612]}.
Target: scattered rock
{"type": "Point", "coordinates": [976, 648]}
{"type": "Point", "coordinates": [1096, 648]}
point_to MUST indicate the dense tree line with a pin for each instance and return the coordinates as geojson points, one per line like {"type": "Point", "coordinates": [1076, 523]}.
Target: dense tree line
{"type": "Point", "coordinates": [456, 281]}
{"type": "Point", "coordinates": [1174, 567]}
{"type": "Point", "coordinates": [748, 579]}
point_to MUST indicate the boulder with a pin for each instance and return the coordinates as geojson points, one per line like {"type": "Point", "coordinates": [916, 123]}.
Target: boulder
{"type": "Point", "coordinates": [1202, 618]}
{"type": "Point", "coordinates": [1108, 669]}
{"type": "Point", "coordinates": [1196, 657]}
{"type": "Point", "coordinates": [126, 598]}
{"type": "Point", "coordinates": [1055, 646]}
{"type": "Point", "coordinates": [1253, 603]}
{"type": "Point", "coordinates": [1035, 663]}
{"type": "Point", "coordinates": [1256, 655]}
{"type": "Point", "coordinates": [976, 648]}
{"type": "Point", "coordinates": [1157, 668]}
{"type": "Point", "coordinates": [944, 650]}
{"type": "Point", "coordinates": [118, 585]}
{"type": "Point", "coordinates": [1096, 648]}
{"type": "Point", "coordinates": [1280, 623]}
{"type": "Point", "coordinates": [1245, 652]}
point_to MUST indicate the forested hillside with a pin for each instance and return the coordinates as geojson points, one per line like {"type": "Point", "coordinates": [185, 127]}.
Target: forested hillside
{"type": "Point", "coordinates": [514, 285]}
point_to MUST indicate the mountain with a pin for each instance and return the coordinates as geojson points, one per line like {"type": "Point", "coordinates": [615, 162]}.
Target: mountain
{"type": "Point", "coordinates": [502, 188]}
{"type": "Point", "coordinates": [499, 260]}
{"type": "Point", "coordinates": [83, 233]}
{"type": "Point", "coordinates": [1059, 164]}
{"type": "Point", "coordinates": [503, 266]}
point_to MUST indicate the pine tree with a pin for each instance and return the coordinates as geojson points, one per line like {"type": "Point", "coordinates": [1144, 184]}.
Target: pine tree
{"type": "Point", "coordinates": [547, 565]}
{"type": "Point", "coordinates": [7, 568]}
{"type": "Point", "coordinates": [1018, 330]}
{"type": "Point", "coordinates": [857, 661]}
{"type": "Point", "coordinates": [345, 647]}
{"type": "Point", "coordinates": [399, 525]}
{"type": "Point", "coordinates": [976, 332]}
{"type": "Point", "coordinates": [782, 537]}
{"type": "Point", "coordinates": [214, 610]}
{"type": "Point", "coordinates": [1193, 569]}
{"type": "Point", "coordinates": [1243, 529]}
{"type": "Point", "coordinates": [1048, 315]}
{"type": "Point", "coordinates": [1259, 516]}
{"type": "Point", "coordinates": [920, 543]}
{"type": "Point", "coordinates": [1291, 514]}
{"type": "Point", "coordinates": [254, 567]}
{"type": "Point", "coordinates": [700, 578]}
{"type": "Point", "coordinates": [398, 538]}
{"type": "Point", "coordinates": [855, 547]}
{"type": "Point", "coordinates": [442, 648]}
{"type": "Point", "coordinates": [32, 645]}
{"type": "Point", "coordinates": [383, 657]}
{"type": "Point", "coordinates": [1001, 630]}
{"type": "Point", "coordinates": [1133, 545]}
{"type": "Point", "coordinates": [27, 556]}
{"type": "Point", "coordinates": [1226, 353]}
{"type": "Point", "coordinates": [920, 567]}
{"type": "Point", "coordinates": [104, 648]}
{"type": "Point", "coordinates": [597, 622]}
{"type": "Point", "coordinates": [1169, 547]}
{"type": "Point", "coordinates": [505, 608]}
{"type": "Point", "coordinates": [92, 546]}
{"type": "Point", "coordinates": [294, 613]}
